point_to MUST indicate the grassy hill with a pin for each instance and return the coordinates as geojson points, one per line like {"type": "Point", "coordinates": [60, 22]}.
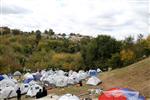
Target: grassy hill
{"type": "Point", "coordinates": [23, 52]}
{"type": "Point", "coordinates": [135, 76]}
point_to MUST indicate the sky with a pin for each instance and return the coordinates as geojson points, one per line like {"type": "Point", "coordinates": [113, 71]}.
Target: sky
{"type": "Point", "coordinates": [118, 18]}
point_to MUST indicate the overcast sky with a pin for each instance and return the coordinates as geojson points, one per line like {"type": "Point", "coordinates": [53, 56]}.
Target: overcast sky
{"type": "Point", "coordinates": [118, 18]}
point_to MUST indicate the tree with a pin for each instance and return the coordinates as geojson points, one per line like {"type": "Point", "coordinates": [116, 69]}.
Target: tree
{"type": "Point", "coordinates": [128, 42]}
{"type": "Point", "coordinates": [89, 53]}
{"type": "Point", "coordinates": [32, 32]}
{"type": "Point", "coordinates": [140, 37]}
{"type": "Point", "coordinates": [46, 32]}
{"type": "Point", "coordinates": [64, 34]}
{"type": "Point", "coordinates": [16, 32]}
{"type": "Point", "coordinates": [99, 50]}
{"type": "Point", "coordinates": [140, 47]}
{"type": "Point", "coordinates": [51, 32]}
{"type": "Point", "coordinates": [145, 46]}
{"type": "Point", "coordinates": [38, 36]}
{"type": "Point", "coordinates": [72, 34]}
{"type": "Point", "coordinates": [4, 30]}
{"type": "Point", "coordinates": [107, 46]}
{"type": "Point", "coordinates": [127, 56]}
{"type": "Point", "coordinates": [115, 61]}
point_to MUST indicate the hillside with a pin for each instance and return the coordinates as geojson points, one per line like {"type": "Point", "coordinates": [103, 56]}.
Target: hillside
{"type": "Point", "coordinates": [135, 76]}
{"type": "Point", "coordinates": [35, 50]}
{"type": "Point", "coordinates": [23, 52]}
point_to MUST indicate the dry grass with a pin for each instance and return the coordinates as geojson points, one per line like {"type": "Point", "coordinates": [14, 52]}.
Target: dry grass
{"type": "Point", "coordinates": [136, 77]}
{"type": "Point", "coordinates": [76, 90]}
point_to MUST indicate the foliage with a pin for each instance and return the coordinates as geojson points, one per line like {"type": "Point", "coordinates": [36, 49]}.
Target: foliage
{"type": "Point", "coordinates": [67, 61]}
{"type": "Point", "coordinates": [127, 56]}
{"type": "Point", "coordinates": [4, 30]}
{"type": "Point", "coordinates": [19, 50]}
{"type": "Point", "coordinates": [59, 46]}
{"type": "Point", "coordinates": [16, 32]}
{"type": "Point", "coordinates": [115, 61]}
{"type": "Point", "coordinates": [38, 36]}
{"type": "Point", "coordinates": [49, 32]}
{"type": "Point", "coordinates": [99, 50]}
{"type": "Point", "coordinates": [39, 60]}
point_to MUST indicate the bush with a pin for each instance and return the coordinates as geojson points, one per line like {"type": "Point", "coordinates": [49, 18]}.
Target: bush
{"type": "Point", "coordinates": [115, 61]}
{"type": "Point", "coordinates": [68, 61]}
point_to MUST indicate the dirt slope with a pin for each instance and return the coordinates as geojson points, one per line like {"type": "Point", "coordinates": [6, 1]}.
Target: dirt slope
{"type": "Point", "coordinates": [135, 76]}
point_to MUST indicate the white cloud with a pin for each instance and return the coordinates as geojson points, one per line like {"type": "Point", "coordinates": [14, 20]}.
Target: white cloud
{"type": "Point", "coordinates": [117, 18]}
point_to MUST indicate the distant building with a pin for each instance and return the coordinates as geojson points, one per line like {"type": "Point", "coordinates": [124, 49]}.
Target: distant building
{"type": "Point", "coordinates": [72, 37]}
{"type": "Point", "coordinates": [75, 38]}
{"type": "Point", "coordinates": [78, 37]}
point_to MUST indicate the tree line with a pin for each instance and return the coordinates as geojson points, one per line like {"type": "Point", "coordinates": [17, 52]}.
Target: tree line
{"type": "Point", "coordinates": [30, 50]}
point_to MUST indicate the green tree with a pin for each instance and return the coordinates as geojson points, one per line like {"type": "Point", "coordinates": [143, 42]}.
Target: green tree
{"type": "Point", "coordinates": [115, 61]}
{"type": "Point", "coordinates": [16, 32]}
{"type": "Point", "coordinates": [38, 36]}
{"type": "Point", "coordinates": [51, 32]}
{"type": "Point", "coordinates": [63, 34]}
{"type": "Point", "coordinates": [46, 32]}
{"type": "Point", "coordinates": [4, 30]}
{"type": "Point", "coordinates": [99, 50]}
{"type": "Point", "coordinates": [128, 42]}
